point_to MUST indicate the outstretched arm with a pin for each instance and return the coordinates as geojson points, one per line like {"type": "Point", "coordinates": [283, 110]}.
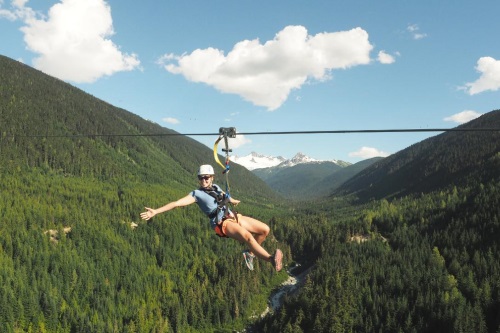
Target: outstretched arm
{"type": "Point", "coordinates": [150, 212]}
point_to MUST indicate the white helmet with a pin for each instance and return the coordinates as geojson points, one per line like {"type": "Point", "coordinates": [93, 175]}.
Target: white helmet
{"type": "Point", "coordinates": [206, 169]}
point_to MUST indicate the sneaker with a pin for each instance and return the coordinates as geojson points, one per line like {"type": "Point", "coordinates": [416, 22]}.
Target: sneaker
{"type": "Point", "coordinates": [277, 258]}
{"type": "Point", "coordinates": [248, 259]}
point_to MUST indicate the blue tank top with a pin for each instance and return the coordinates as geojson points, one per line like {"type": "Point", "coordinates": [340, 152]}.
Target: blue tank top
{"type": "Point", "coordinates": [208, 205]}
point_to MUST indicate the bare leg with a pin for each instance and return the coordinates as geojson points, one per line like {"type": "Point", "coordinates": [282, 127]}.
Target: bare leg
{"type": "Point", "coordinates": [259, 229]}
{"type": "Point", "coordinates": [238, 232]}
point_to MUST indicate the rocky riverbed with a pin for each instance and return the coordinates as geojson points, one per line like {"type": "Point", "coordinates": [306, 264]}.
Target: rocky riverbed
{"type": "Point", "coordinates": [289, 287]}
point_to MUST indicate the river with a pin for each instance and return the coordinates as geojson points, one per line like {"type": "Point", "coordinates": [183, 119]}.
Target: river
{"type": "Point", "coordinates": [289, 287]}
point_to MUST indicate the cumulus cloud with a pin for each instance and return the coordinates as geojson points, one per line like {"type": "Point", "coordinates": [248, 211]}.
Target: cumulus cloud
{"type": "Point", "coordinates": [265, 73]}
{"type": "Point", "coordinates": [385, 58]}
{"type": "Point", "coordinates": [16, 11]}
{"type": "Point", "coordinates": [368, 152]}
{"type": "Point", "coordinates": [9, 15]}
{"type": "Point", "coordinates": [463, 117]}
{"type": "Point", "coordinates": [489, 79]}
{"type": "Point", "coordinates": [238, 141]}
{"type": "Point", "coordinates": [73, 41]}
{"type": "Point", "coordinates": [172, 121]}
{"type": "Point", "coordinates": [414, 30]}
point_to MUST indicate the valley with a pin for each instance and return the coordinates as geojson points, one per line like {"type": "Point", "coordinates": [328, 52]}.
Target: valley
{"type": "Point", "coordinates": [70, 261]}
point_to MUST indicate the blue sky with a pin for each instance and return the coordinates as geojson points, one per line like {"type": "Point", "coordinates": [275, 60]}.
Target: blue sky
{"type": "Point", "coordinates": [196, 66]}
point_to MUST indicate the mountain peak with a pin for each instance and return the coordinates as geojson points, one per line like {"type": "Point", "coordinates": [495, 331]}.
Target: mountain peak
{"type": "Point", "coordinates": [258, 161]}
{"type": "Point", "coordinates": [299, 158]}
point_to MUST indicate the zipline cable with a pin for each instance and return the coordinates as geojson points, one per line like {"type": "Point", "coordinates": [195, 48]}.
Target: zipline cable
{"type": "Point", "coordinates": [414, 130]}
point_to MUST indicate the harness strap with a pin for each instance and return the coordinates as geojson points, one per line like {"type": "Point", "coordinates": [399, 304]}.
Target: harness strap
{"type": "Point", "coordinates": [220, 198]}
{"type": "Point", "coordinates": [216, 156]}
{"type": "Point", "coordinates": [219, 228]}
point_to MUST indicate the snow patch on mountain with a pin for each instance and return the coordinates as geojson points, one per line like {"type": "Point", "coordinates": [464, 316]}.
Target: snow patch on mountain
{"type": "Point", "coordinates": [258, 161]}
{"type": "Point", "coordinates": [299, 158]}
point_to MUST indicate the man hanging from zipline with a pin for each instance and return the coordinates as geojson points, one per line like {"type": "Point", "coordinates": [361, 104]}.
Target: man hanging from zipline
{"type": "Point", "coordinates": [213, 201]}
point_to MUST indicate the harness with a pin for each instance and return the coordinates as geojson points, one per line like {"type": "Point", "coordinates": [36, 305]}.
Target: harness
{"type": "Point", "coordinates": [221, 199]}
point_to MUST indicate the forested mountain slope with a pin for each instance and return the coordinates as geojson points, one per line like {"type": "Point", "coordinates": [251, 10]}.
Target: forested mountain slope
{"type": "Point", "coordinates": [451, 158]}
{"type": "Point", "coordinates": [50, 124]}
{"type": "Point", "coordinates": [70, 260]}
{"type": "Point", "coordinates": [75, 172]}
{"type": "Point", "coordinates": [329, 184]}
{"type": "Point", "coordinates": [423, 260]}
{"type": "Point", "coordinates": [416, 264]}
{"type": "Point", "coordinates": [297, 182]}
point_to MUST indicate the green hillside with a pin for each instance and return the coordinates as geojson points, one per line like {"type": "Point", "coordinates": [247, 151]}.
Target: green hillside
{"type": "Point", "coordinates": [299, 181]}
{"type": "Point", "coordinates": [51, 125]}
{"type": "Point", "coordinates": [311, 181]}
{"type": "Point", "coordinates": [423, 264]}
{"type": "Point", "coordinates": [409, 244]}
{"type": "Point", "coordinates": [75, 172]}
{"type": "Point", "coordinates": [423, 260]}
{"type": "Point", "coordinates": [296, 181]}
{"type": "Point", "coordinates": [330, 183]}
{"type": "Point", "coordinates": [456, 158]}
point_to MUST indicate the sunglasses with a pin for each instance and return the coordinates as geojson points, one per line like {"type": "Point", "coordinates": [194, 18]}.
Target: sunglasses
{"type": "Point", "coordinates": [204, 177]}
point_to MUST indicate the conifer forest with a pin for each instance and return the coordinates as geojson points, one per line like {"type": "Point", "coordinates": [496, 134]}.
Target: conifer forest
{"type": "Point", "coordinates": [410, 244]}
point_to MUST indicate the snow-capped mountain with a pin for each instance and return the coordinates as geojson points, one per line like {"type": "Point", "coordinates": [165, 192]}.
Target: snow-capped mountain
{"type": "Point", "coordinates": [314, 178]}
{"type": "Point", "coordinates": [299, 158]}
{"type": "Point", "coordinates": [257, 161]}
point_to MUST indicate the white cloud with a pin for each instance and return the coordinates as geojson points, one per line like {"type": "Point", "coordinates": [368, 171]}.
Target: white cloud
{"type": "Point", "coordinates": [17, 11]}
{"type": "Point", "coordinates": [238, 141]}
{"type": "Point", "coordinates": [265, 73]}
{"type": "Point", "coordinates": [9, 15]}
{"type": "Point", "coordinates": [414, 29]}
{"type": "Point", "coordinates": [73, 40]}
{"type": "Point", "coordinates": [463, 117]}
{"type": "Point", "coordinates": [385, 58]}
{"type": "Point", "coordinates": [172, 121]}
{"type": "Point", "coordinates": [489, 79]}
{"type": "Point", "coordinates": [368, 152]}
{"type": "Point", "coordinates": [418, 36]}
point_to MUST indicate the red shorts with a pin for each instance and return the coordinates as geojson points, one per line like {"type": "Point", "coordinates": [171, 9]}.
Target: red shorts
{"type": "Point", "coordinates": [220, 228]}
